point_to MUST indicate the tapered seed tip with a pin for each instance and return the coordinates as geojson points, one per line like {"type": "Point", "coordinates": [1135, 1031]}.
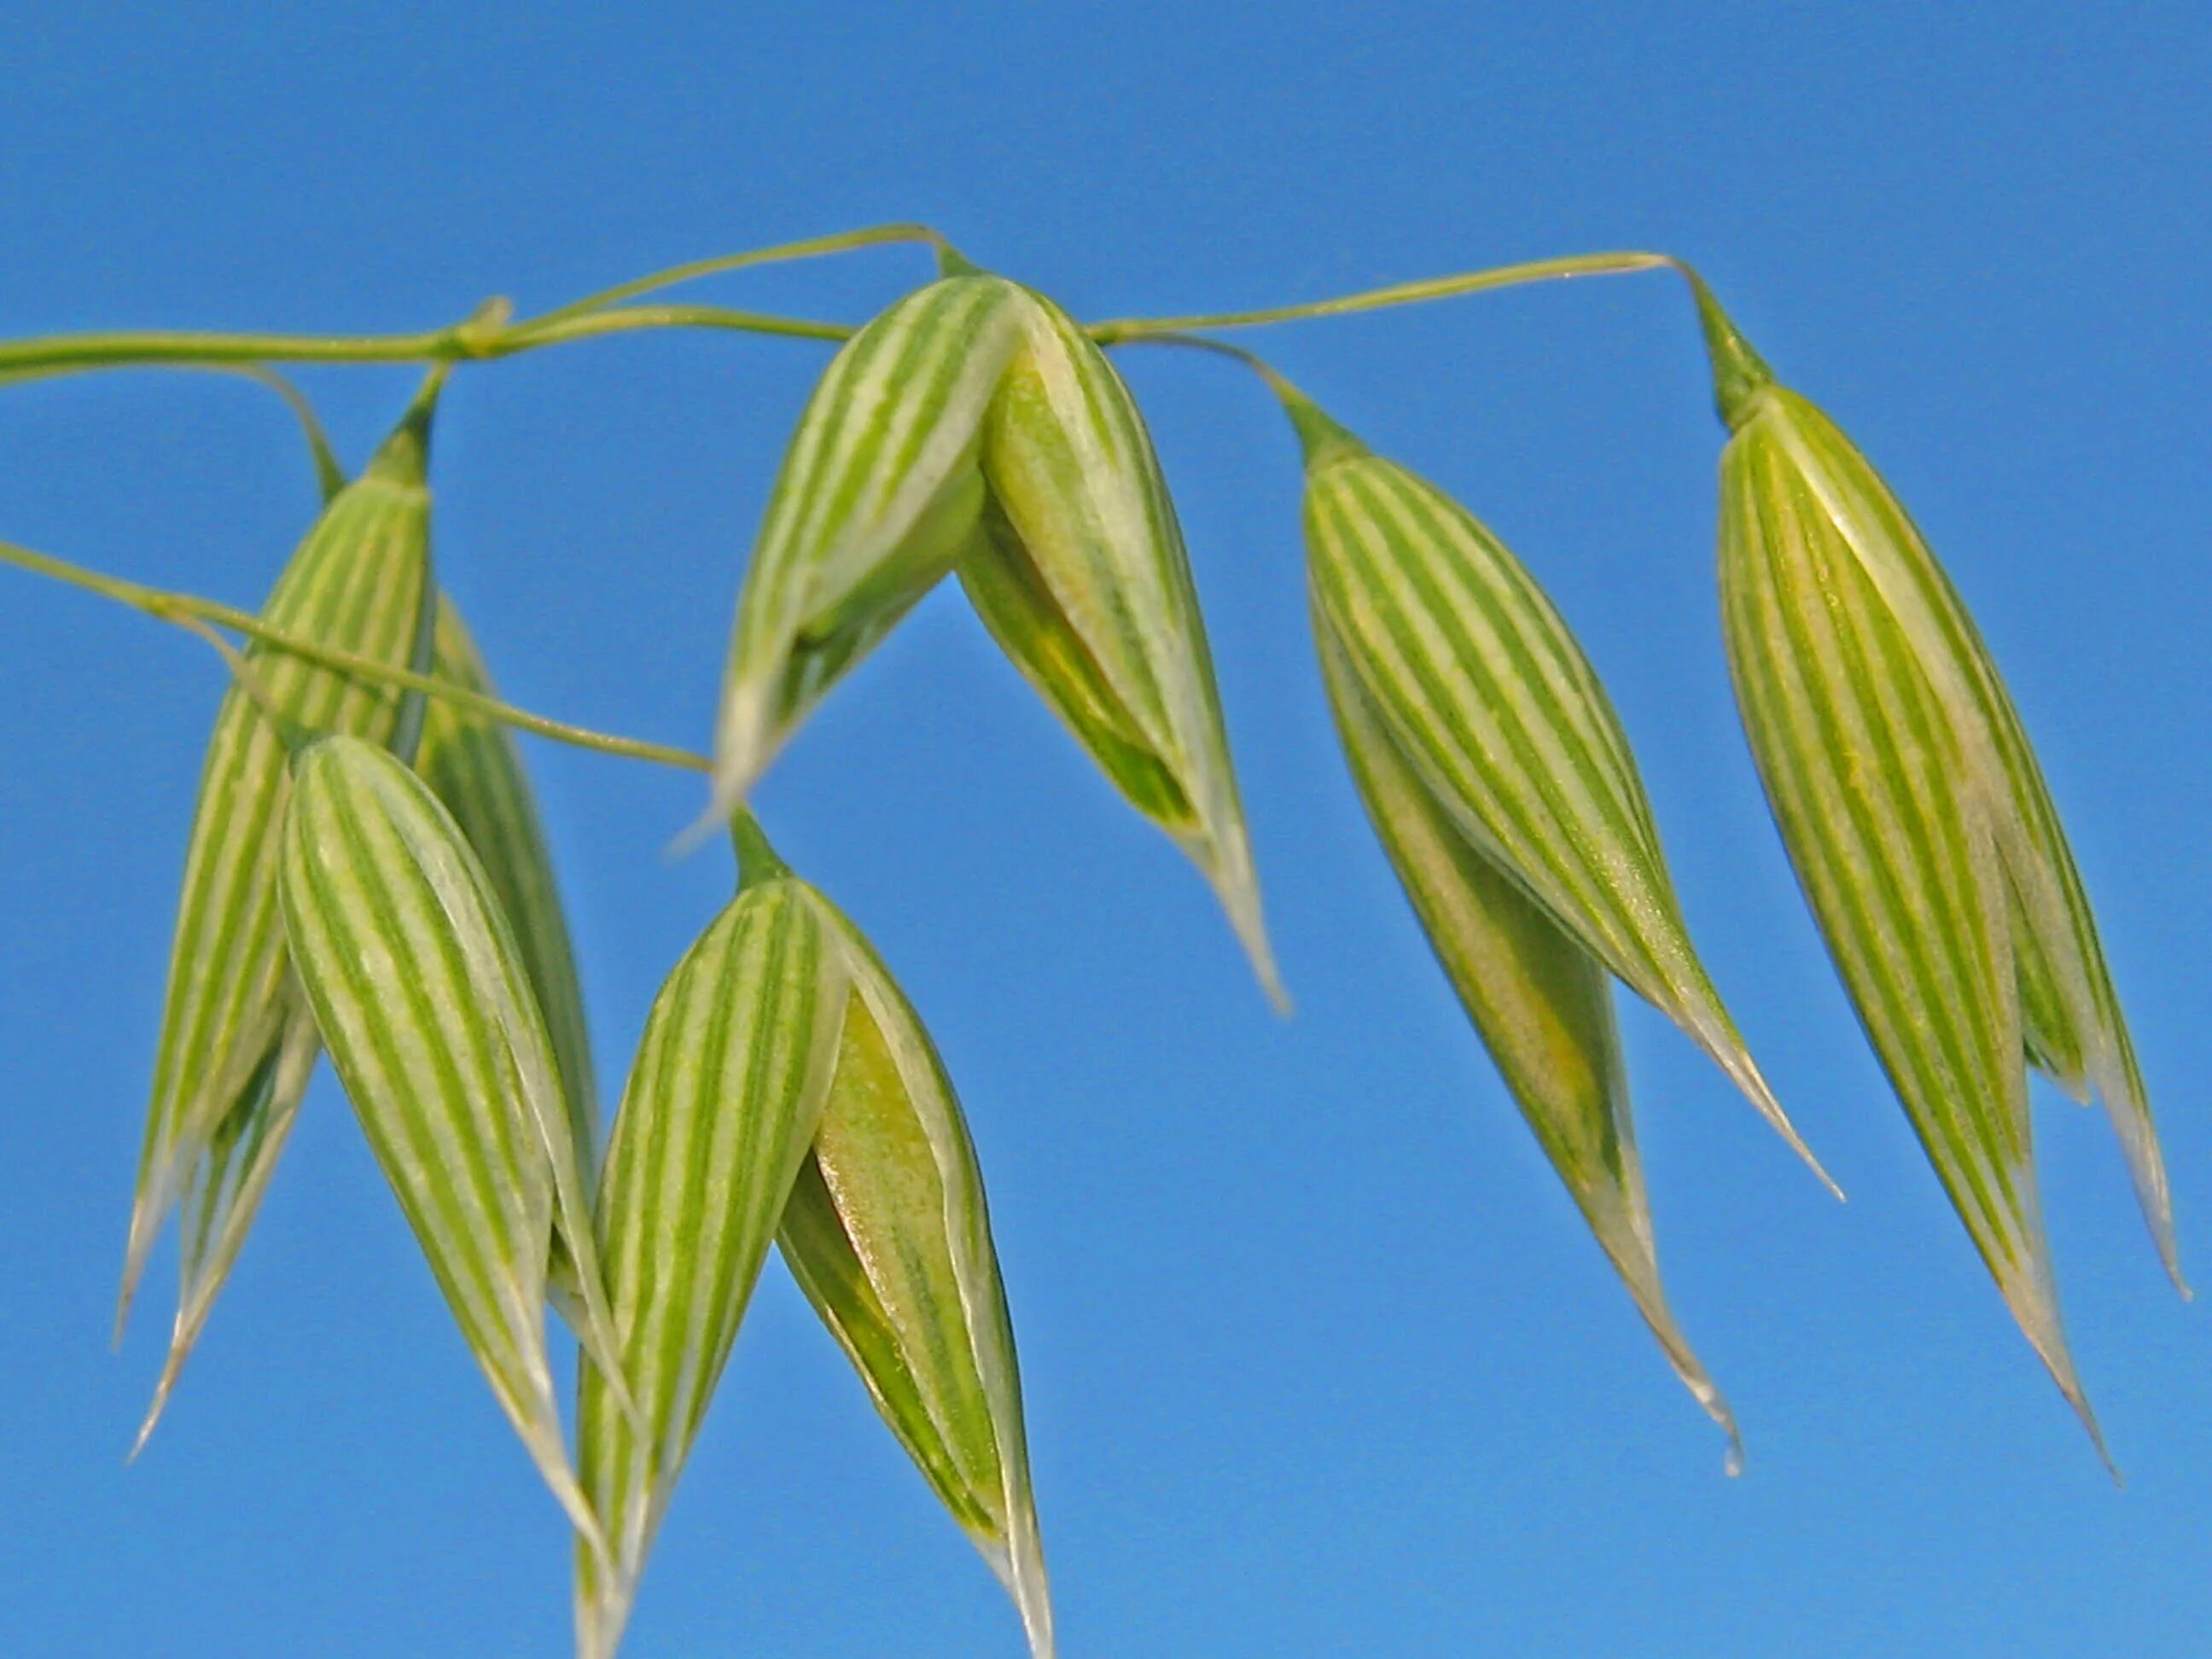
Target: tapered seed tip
{"type": "Point", "coordinates": [1745, 1071]}
{"type": "Point", "coordinates": [1644, 1286]}
{"type": "Point", "coordinates": [723, 802]}
{"type": "Point", "coordinates": [1717, 1409]}
{"type": "Point", "coordinates": [2035, 1309]}
{"type": "Point", "coordinates": [1764, 1099]}
{"type": "Point", "coordinates": [162, 1389]}
{"type": "Point", "coordinates": [1826, 1180]}
{"type": "Point", "coordinates": [1024, 1583]}
{"type": "Point", "coordinates": [1703, 1391]}
{"type": "Point", "coordinates": [2079, 1401]}
{"type": "Point", "coordinates": [1238, 890]}
{"type": "Point", "coordinates": [2169, 1252]}
{"type": "Point", "coordinates": [744, 744]}
{"type": "Point", "coordinates": [137, 1248]}
{"type": "Point", "coordinates": [1039, 1631]}
{"type": "Point", "coordinates": [1252, 934]}
{"type": "Point", "coordinates": [192, 1319]}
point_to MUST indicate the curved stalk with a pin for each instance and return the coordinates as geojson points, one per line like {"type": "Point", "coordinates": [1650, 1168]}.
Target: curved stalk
{"type": "Point", "coordinates": [1316, 430]}
{"type": "Point", "coordinates": [69, 354]}
{"type": "Point", "coordinates": [330, 474]}
{"type": "Point", "coordinates": [487, 334]}
{"type": "Point", "coordinates": [190, 611]}
{"type": "Point", "coordinates": [1122, 330]}
{"type": "Point", "coordinates": [1278, 383]}
{"type": "Point", "coordinates": [540, 331]}
{"type": "Point", "coordinates": [813, 247]}
{"type": "Point", "coordinates": [72, 354]}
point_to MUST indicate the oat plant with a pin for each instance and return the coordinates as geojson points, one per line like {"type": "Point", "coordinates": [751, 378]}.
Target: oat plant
{"type": "Point", "coordinates": [366, 877]}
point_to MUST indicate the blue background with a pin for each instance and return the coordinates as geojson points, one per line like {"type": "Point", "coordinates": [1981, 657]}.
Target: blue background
{"type": "Point", "coordinates": [1319, 1360]}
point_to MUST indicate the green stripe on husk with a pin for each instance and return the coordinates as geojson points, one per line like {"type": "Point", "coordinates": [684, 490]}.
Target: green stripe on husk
{"type": "Point", "coordinates": [721, 1106]}
{"type": "Point", "coordinates": [888, 1233]}
{"type": "Point", "coordinates": [1083, 579]}
{"type": "Point", "coordinates": [877, 498]}
{"type": "Point", "coordinates": [474, 766]}
{"type": "Point", "coordinates": [974, 424]}
{"type": "Point", "coordinates": [418, 988]}
{"type": "Point", "coordinates": [1484, 691]}
{"type": "Point", "coordinates": [2073, 1026]}
{"type": "Point", "coordinates": [1895, 831]}
{"type": "Point", "coordinates": [1541, 1004]}
{"type": "Point", "coordinates": [360, 581]}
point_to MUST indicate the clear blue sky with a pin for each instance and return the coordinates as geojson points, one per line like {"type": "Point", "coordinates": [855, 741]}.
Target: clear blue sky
{"type": "Point", "coordinates": [1319, 1360]}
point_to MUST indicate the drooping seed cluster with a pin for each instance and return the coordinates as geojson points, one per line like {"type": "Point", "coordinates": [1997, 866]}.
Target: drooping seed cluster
{"type": "Point", "coordinates": [366, 877]}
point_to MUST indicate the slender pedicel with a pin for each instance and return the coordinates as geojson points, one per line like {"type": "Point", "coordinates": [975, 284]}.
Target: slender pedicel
{"type": "Point", "coordinates": [180, 609]}
{"type": "Point", "coordinates": [1124, 330]}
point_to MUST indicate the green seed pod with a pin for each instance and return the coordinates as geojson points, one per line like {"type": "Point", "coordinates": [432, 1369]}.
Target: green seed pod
{"type": "Point", "coordinates": [976, 421]}
{"type": "Point", "coordinates": [1541, 1003]}
{"type": "Point", "coordinates": [419, 991]}
{"type": "Point", "coordinates": [1919, 824]}
{"type": "Point", "coordinates": [224, 1188]}
{"type": "Point", "coordinates": [879, 494]}
{"type": "Point", "coordinates": [236, 1045]}
{"type": "Point", "coordinates": [1477, 680]}
{"type": "Point", "coordinates": [888, 1234]}
{"type": "Point", "coordinates": [724, 1099]}
{"type": "Point", "coordinates": [472, 765]}
{"type": "Point", "coordinates": [1082, 577]}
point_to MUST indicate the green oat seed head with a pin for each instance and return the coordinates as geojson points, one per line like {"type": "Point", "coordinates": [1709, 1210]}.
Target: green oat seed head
{"type": "Point", "coordinates": [724, 1100]}
{"type": "Point", "coordinates": [473, 765]}
{"type": "Point", "coordinates": [421, 996]}
{"type": "Point", "coordinates": [237, 1043]}
{"type": "Point", "coordinates": [1082, 577]}
{"type": "Point", "coordinates": [1473, 677]}
{"type": "Point", "coordinates": [888, 1234]}
{"type": "Point", "coordinates": [1920, 827]}
{"type": "Point", "coordinates": [976, 424]}
{"type": "Point", "coordinates": [1541, 1004]}
{"type": "Point", "coordinates": [878, 495]}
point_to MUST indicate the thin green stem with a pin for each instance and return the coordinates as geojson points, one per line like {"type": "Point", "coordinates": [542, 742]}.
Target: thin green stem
{"type": "Point", "coordinates": [1739, 374]}
{"type": "Point", "coordinates": [814, 247]}
{"type": "Point", "coordinates": [485, 334]}
{"type": "Point", "coordinates": [480, 337]}
{"type": "Point", "coordinates": [1319, 434]}
{"type": "Point", "coordinates": [1376, 299]}
{"type": "Point", "coordinates": [489, 334]}
{"type": "Point", "coordinates": [189, 611]}
{"type": "Point", "coordinates": [242, 671]}
{"type": "Point", "coordinates": [1278, 383]}
{"type": "Point", "coordinates": [330, 475]}
{"type": "Point", "coordinates": [66, 354]}
{"type": "Point", "coordinates": [529, 336]}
